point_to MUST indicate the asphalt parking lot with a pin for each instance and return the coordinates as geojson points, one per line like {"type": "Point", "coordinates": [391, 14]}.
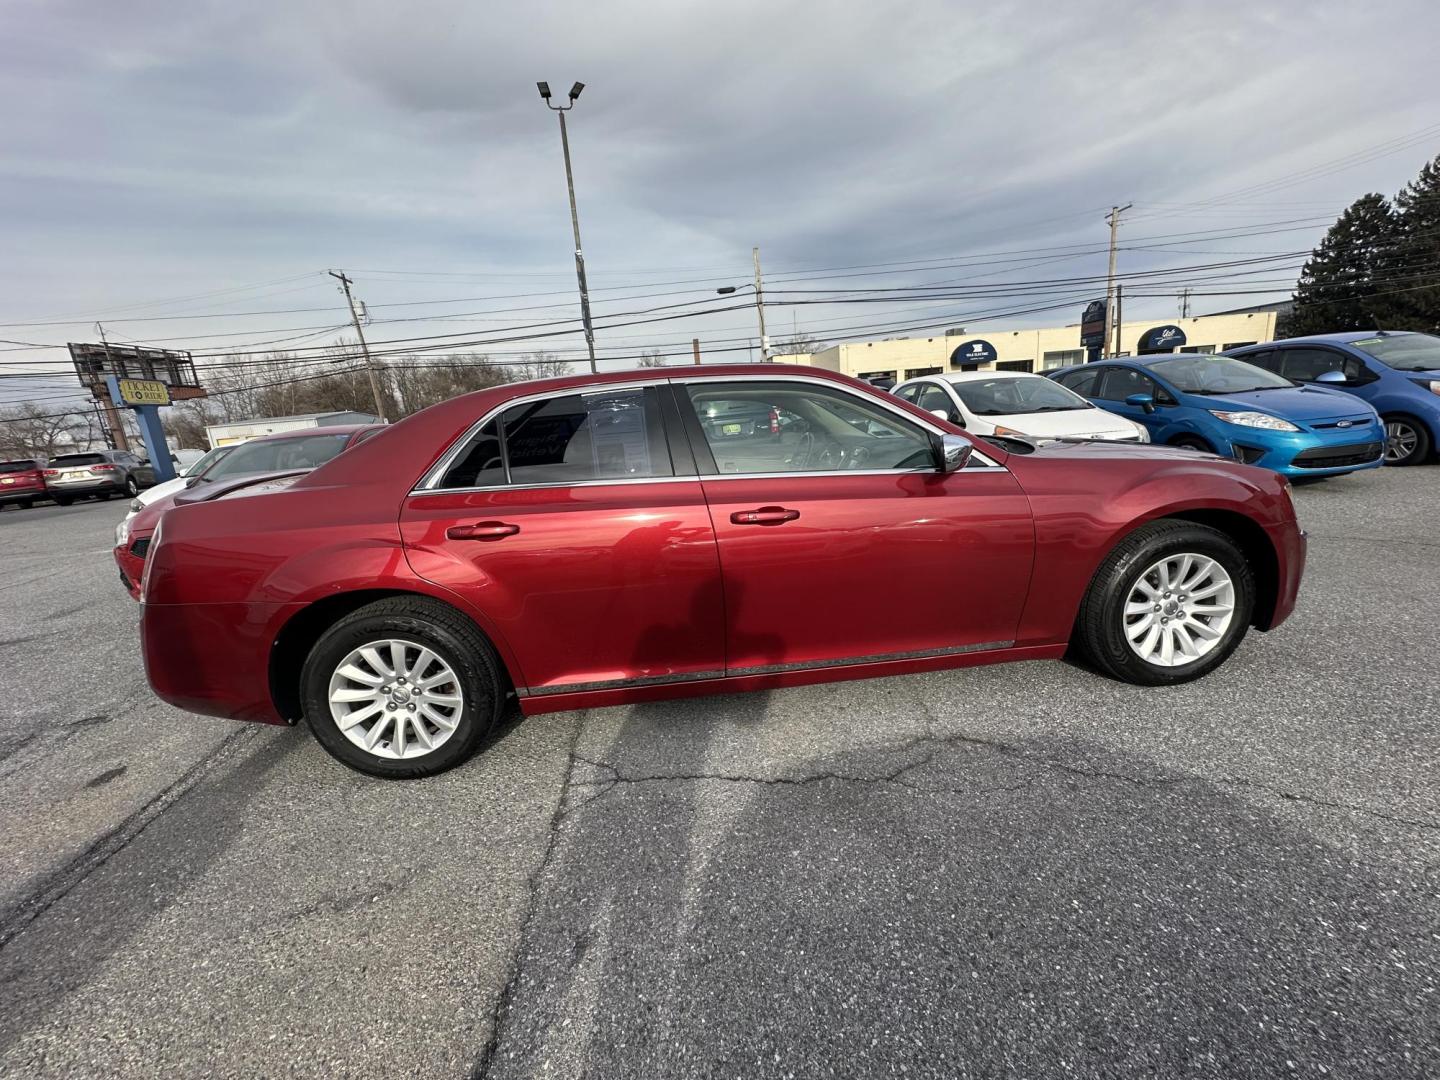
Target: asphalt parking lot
{"type": "Point", "coordinates": [1024, 870]}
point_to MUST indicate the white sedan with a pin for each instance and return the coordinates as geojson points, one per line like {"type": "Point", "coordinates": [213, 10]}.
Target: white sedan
{"type": "Point", "coordinates": [169, 487]}
{"type": "Point", "coordinates": [1016, 403]}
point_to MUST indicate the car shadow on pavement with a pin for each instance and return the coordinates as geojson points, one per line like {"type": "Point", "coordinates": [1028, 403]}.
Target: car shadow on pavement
{"type": "Point", "coordinates": [65, 947]}
{"type": "Point", "coordinates": [951, 906]}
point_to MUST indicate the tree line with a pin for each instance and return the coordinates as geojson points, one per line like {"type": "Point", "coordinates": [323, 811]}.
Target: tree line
{"type": "Point", "coordinates": [1378, 267]}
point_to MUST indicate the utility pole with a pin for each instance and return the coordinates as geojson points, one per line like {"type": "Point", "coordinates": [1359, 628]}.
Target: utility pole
{"type": "Point", "coordinates": [117, 437]}
{"type": "Point", "coordinates": [1113, 217]}
{"type": "Point", "coordinates": [760, 307]}
{"type": "Point", "coordinates": [695, 345]}
{"type": "Point", "coordinates": [1184, 297]}
{"type": "Point", "coordinates": [345, 284]}
{"type": "Point", "coordinates": [561, 110]}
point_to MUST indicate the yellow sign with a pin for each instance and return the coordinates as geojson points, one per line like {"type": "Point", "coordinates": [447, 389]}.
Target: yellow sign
{"type": "Point", "coordinates": [143, 392]}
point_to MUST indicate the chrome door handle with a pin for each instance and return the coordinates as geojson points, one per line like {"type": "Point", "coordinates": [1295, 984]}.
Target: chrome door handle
{"type": "Point", "coordinates": [766, 515]}
{"type": "Point", "coordinates": [482, 530]}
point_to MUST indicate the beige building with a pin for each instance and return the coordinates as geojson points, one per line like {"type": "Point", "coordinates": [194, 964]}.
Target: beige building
{"type": "Point", "coordinates": [1033, 350]}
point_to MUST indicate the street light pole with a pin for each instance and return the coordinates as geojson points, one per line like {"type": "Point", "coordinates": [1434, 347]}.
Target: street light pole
{"type": "Point", "coordinates": [561, 110]}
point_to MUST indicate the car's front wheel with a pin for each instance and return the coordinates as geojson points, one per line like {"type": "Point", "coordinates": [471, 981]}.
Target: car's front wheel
{"type": "Point", "coordinates": [1407, 442]}
{"type": "Point", "coordinates": [1168, 605]}
{"type": "Point", "coordinates": [400, 688]}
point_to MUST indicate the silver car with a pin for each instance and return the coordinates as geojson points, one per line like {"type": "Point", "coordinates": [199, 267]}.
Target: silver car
{"type": "Point", "coordinates": [102, 473]}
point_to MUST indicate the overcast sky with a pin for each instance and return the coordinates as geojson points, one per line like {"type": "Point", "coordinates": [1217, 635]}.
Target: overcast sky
{"type": "Point", "coordinates": [152, 152]}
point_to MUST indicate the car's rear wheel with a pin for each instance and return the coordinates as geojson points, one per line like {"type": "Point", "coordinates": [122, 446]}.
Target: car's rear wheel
{"type": "Point", "coordinates": [1168, 605]}
{"type": "Point", "coordinates": [1407, 442]}
{"type": "Point", "coordinates": [131, 487]}
{"type": "Point", "coordinates": [403, 687]}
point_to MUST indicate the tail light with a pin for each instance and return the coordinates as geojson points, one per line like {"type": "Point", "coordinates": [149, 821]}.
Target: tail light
{"type": "Point", "coordinates": [102, 468]}
{"type": "Point", "coordinates": [774, 421]}
{"type": "Point", "coordinates": [50, 472]}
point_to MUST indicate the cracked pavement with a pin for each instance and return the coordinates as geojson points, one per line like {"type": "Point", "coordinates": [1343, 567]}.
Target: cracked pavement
{"type": "Point", "coordinates": [1023, 870]}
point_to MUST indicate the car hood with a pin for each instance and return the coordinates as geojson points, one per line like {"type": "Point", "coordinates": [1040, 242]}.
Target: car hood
{"type": "Point", "coordinates": [1071, 423]}
{"type": "Point", "coordinates": [1303, 403]}
{"type": "Point", "coordinates": [160, 491]}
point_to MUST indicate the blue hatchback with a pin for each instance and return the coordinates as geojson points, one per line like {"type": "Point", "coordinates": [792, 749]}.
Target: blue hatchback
{"type": "Point", "coordinates": [1220, 404]}
{"type": "Point", "coordinates": [1397, 373]}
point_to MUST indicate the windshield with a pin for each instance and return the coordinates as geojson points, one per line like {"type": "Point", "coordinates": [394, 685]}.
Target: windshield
{"type": "Point", "coordinates": [195, 468]}
{"type": "Point", "coordinates": [1403, 352]}
{"type": "Point", "coordinates": [1007, 395]}
{"type": "Point", "coordinates": [1201, 373]}
{"type": "Point", "coordinates": [277, 455]}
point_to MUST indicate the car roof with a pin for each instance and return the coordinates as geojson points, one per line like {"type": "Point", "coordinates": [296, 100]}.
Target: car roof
{"type": "Point", "coordinates": [298, 433]}
{"type": "Point", "coordinates": [974, 376]}
{"type": "Point", "coordinates": [1343, 338]}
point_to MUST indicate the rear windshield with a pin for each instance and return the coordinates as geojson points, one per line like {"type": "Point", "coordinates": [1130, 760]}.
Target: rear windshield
{"type": "Point", "coordinates": [65, 460]}
{"type": "Point", "coordinates": [18, 466]}
{"type": "Point", "coordinates": [277, 455]}
{"type": "Point", "coordinates": [1014, 394]}
{"type": "Point", "coordinates": [1403, 352]}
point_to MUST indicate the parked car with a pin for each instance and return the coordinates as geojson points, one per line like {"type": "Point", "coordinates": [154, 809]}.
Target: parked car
{"type": "Point", "coordinates": [588, 541]}
{"type": "Point", "coordinates": [196, 466]}
{"type": "Point", "coordinates": [1207, 401]}
{"type": "Point", "coordinates": [1016, 403]}
{"type": "Point", "coordinates": [1397, 373]}
{"type": "Point", "coordinates": [22, 481]}
{"type": "Point", "coordinates": [99, 473]}
{"type": "Point", "coordinates": [292, 452]}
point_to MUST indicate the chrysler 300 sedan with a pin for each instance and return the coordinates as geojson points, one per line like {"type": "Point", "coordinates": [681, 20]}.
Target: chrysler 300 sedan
{"type": "Point", "coordinates": [593, 540]}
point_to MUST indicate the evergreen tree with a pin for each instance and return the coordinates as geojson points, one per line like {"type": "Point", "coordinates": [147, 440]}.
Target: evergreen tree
{"type": "Point", "coordinates": [1417, 253]}
{"type": "Point", "coordinates": [1343, 285]}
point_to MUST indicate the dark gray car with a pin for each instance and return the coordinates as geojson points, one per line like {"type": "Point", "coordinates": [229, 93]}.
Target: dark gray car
{"type": "Point", "coordinates": [101, 473]}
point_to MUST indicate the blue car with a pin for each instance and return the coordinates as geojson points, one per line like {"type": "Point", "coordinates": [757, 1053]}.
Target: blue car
{"type": "Point", "coordinates": [1217, 403]}
{"type": "Point", "coordinates": [1397, 373]}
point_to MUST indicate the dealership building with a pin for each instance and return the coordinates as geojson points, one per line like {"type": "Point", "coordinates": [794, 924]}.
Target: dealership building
{"type": "Point", "coordinates": [1033, 350]}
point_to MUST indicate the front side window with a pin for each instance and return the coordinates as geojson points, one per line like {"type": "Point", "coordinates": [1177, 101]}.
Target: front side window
{"type": "Point", "coordinates": [1083, 381]}
{"type": "Point", "coordinates": [1304, 365]}
{"type": "Point", "coordinates": [909, 393]}
{"type": "Point", "coordinates": [602, 435]}
{"type": "Point", "coordinates": [934, 399]}
{"type": "Point", "coordinates": [1121, 382]}
{"type": "Point", "coordinates": [1216, 375]}
{"type": "Point", "coordinates": [814, 429]}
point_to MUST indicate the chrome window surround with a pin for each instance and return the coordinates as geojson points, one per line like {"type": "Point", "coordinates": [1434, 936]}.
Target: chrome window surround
{"type": "Point", "coordinates": [428, 482]}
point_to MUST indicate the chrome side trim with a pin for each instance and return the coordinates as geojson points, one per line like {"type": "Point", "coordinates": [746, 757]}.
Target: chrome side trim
{"type": "Point", "coordinates": [763, 669]}
{"type": "Point", "coordinates": [690, 479]}
{"type": "Point", "coordinates": [432, 476]}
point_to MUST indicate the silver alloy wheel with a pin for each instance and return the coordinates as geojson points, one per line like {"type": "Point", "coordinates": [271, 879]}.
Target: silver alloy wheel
{"type": "Point", "coordinates": [1179, 610]}
{"type": "Point", "coordinates": [1401, 439]}
{"type": "Point", "coordinates": [395, 699]}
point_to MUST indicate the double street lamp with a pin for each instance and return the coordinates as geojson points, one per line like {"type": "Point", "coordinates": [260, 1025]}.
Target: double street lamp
{"type": "Point", "coordinates": [561, 110]}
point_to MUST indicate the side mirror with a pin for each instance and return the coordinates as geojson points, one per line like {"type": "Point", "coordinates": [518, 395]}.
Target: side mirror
{"type": "Point", "coordinates": [1332, 377]}
{"type": "Point", "coordinates": [1141, 401]}
{"type": "Point", "coordinates": [941, 413]}
{"type": "Point", "coordinates": [953, 453]}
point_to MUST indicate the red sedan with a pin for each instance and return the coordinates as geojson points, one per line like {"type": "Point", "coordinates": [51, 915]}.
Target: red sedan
{"type": "Point", "coordinates": [599, 540]}
{"type": "Point", "coordinates": [285, 451]}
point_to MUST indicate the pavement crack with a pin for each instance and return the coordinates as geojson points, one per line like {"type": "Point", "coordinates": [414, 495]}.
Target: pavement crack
{"type": "Point", "coordinates": [56, 885]}
{"type": "Point", "coordinates": [505, 1001]}
{"type": "Point", "coordinates": [1330, 804]}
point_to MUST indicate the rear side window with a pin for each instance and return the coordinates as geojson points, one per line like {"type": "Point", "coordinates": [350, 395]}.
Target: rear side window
{"type": "Point", "coordinates": [1082, 381]}
{"type": "Point", "coordinates": [603, 435]}
{"type": "Point", "coordinates": [1121, 382]}
{"type": "Point", "coordinates": [1304, 364]}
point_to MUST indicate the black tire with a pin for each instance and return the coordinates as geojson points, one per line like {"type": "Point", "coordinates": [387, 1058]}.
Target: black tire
{"type": "Point", "coordinates": [1192, 442]}
{"type": "Point", "coordinates": [440, 628]}
{"type": "Point", "coordinates": [131, 487]}
{"type": "Point", "coordinates": [1099, 629]}
{"type": "Point", "coordinates": [62, 500]}
{"type": "Point", "coordinates": [1421, 446]}
{"type": "Point", "coordinates": [26, 504]}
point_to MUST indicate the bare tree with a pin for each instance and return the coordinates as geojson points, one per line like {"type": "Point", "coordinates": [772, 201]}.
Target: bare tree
{"type": "Point", "coordinates": [652, 358]}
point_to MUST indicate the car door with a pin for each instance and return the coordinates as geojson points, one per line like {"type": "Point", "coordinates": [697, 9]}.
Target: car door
{"type": "Point", "coordinates": [566, 521]}
{"type": "Point", "coordinates": [1120, 381]}
{"type": "Point", "coordinates": [840, 542]}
